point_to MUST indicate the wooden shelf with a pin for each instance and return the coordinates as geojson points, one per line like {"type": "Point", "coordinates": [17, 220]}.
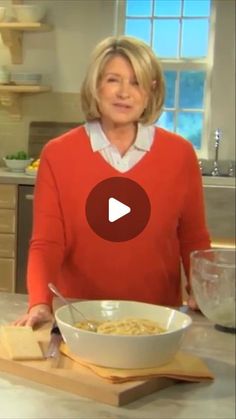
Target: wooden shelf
{"type": "Point", "coordinates": [30, 26]}
{"type": "Point", "coordinates": [12, 34]}
{"type": "Point", "coordinates": [10, 96]}
{"type": "Point", "coordinates": [23, 88]}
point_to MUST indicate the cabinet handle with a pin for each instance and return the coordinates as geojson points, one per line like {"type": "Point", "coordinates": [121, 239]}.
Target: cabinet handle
{"type": "Point", "coordinates": [29, 197]}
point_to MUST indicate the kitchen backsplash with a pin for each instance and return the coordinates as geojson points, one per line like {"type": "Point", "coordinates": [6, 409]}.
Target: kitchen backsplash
{"type": "Point", "coordinates": [57, 107]}
{"type": "Point", "coordinates": [40, 132]}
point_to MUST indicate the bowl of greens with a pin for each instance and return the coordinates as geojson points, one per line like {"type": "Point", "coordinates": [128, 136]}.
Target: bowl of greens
{"type": "Point", "coordinates": [17, 162]}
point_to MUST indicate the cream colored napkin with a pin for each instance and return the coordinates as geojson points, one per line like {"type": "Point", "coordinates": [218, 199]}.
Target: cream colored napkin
{"type": "Point", "coordinates": [183, 367]}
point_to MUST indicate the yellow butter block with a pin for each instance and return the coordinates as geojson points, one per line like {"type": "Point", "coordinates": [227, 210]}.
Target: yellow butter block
{"type": "Point", "coordinates": [21, 343]}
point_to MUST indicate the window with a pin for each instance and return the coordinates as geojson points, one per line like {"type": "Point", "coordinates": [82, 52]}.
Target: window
{"type": "Point", "coordinates": [178, 31]}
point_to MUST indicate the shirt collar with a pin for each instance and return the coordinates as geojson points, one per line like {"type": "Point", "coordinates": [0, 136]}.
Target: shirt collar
{"type": "Point", "coordinates": [99, 140]}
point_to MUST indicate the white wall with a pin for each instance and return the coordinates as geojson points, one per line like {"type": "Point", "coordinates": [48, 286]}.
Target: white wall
{"type": "Point", "coordinates": [223, 78]}
{"type": "Point", "coordinates": [62, 55]}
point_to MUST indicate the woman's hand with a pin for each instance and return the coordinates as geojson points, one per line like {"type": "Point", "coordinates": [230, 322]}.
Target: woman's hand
{"type": "Point", "coordinates": [38, 314]}
{"type": "Point", "coordinates": [192, 303]}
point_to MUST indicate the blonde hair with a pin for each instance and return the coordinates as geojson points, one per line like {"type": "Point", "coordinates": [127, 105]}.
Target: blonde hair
{"type": "Point", "coordinates": [146, 67]}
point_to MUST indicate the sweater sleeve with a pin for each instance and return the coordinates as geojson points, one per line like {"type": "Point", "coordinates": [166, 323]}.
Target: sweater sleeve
{"type": "Point", "coordinates": [47, 243]}
{"type": "Point", "coordinates": [193, 232]}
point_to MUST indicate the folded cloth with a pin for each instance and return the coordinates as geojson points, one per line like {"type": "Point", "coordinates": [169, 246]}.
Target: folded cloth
{"type": "Point", "coordinates": [183, 367]}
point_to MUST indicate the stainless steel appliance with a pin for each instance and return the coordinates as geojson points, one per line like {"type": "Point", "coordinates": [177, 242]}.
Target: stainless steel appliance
{"type": "Point", "coordinates": [25, 210]}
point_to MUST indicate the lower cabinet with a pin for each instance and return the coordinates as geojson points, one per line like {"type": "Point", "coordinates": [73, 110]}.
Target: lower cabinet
{"type": "Point", "coordinates": [220, 214]}
{"type": "Point", "coordinates": [8, 210]}
{"type": "Point", "coordinates": [7, 269]}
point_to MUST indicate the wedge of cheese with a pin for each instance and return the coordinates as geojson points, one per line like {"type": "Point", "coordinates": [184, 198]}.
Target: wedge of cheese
{"type": "Point", "coordinates": [20, 343]}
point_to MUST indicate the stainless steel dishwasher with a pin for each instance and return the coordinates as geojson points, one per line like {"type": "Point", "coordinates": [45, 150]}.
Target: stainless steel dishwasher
{"type": "Point", "coordinates": [24, 229]}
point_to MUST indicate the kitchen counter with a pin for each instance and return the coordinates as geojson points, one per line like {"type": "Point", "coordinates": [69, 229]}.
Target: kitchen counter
{"type": "Point", "coordinates": [218, 181]}
{"type": "Point", "coordinates": [23, 399]}
{"type": "Point", "coordinates": [7, 176]}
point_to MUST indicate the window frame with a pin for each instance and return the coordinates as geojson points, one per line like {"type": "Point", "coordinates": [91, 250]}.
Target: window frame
{"type": "Point", "coordinates": [206, 65]}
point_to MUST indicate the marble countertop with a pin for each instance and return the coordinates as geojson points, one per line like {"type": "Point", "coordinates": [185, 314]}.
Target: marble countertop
{"type": "Point", "coordinates": [23, 399]}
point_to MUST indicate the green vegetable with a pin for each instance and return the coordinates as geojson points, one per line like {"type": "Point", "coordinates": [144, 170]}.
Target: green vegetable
{"type": "Point", "coordinates": [20, 155]}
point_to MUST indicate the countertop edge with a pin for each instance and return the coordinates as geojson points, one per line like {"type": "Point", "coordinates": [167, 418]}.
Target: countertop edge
{"type": "Point", "coordinates": [8, 177]}
{"type": "Point", "coordinates": [23, 179]}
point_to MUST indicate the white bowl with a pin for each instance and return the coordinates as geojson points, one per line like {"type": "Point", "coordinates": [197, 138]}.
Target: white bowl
{"type": "Point", "coordinates": [29, 13]}
{"type": "Point", "coordinates": [2, 13]}
{"type": "Point", "coordinates": [16, 165]}
{"type": "Point", "coordinates": [26, 78]}
{"type": "Point", "coordinates": [118, 351]}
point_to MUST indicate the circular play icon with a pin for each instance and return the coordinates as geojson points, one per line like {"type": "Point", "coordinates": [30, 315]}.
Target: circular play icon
{"type": "Point", "coordinates": [118, 209]}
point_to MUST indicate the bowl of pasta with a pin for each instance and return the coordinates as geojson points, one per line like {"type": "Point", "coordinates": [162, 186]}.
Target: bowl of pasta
{"type": "Point", "coordinates": [129, 334]}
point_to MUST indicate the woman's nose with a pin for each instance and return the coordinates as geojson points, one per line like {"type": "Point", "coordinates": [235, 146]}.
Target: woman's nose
{"type": "Point", "coordinates": [124, 89]}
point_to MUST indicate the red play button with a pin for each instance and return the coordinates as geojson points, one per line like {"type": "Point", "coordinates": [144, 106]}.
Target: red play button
{"type": "Point", "coordinates": [118, 209]}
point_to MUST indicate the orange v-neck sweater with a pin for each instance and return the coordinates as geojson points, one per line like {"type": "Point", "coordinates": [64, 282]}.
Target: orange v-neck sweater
{"type": "Point", "coordinates": [65, 250]}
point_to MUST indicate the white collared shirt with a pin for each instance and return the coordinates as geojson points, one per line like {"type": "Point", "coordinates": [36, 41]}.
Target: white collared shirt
{"type": "Point", "coordinates": [99, 142]}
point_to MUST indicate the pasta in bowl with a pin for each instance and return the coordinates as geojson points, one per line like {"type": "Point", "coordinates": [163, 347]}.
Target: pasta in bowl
{"type": "Point", "coordinates": [129, 334]}
{"type": "Point", "coordinates": [129, 326]}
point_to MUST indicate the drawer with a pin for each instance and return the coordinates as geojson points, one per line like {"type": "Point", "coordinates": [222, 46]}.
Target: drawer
{"type": "Point", "coordinates": [7, 221]}
{"type": "Point", "coordinates": [8, 196]}
{"type": "Point", "coordinates": [7, 245]}
{"type": "Point", "coordinates": [7, 275]}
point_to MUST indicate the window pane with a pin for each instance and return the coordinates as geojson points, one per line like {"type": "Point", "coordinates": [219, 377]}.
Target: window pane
{"type": "Point", "coordinates": [139, 28]}
{"type": "Point", "coordinates": [194, 38]}
{"type": "Point", "coordinates": [167, 7]}
{"type": "Point", "coordinates": [138, 8]}
{"type": "Point", "coordinates": [166, 37]}
{"type": "Point", "coordinates": [166, 120]}
{"type": "Point", "coordinates": [170, 79]}
{"type": "Point", "coordinates": [189, 125]}
{"type": "Point", "coordinates": [197, 7]}
{"type": "Point", "coordinates": [191, 89]}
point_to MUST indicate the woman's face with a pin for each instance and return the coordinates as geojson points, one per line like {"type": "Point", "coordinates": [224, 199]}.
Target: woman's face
{"type": "Point", "coordinates": [121, 100]}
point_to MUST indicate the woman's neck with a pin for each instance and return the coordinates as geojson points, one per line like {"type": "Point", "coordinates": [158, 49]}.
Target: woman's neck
{"type": "Point", "coordinates": [121, 136]}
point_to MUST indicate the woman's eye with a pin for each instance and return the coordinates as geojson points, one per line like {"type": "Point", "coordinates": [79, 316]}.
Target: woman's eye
{"type": "Point", "coordinates": [135, 82]}
{"type": "Point", "coordinates": [112, 79]}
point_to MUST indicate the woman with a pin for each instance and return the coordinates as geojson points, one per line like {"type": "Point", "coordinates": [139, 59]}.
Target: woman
{"type": "Point", "coordinates": [122, 96]}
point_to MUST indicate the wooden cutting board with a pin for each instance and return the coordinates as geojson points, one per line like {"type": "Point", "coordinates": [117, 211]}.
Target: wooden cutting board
{"type": "Point", "coordinates": [69, 376]}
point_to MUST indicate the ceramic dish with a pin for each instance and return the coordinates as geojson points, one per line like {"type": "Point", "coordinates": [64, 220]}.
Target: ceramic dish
{"type": "Point", "coordinates": [29, 12]}
{"type": "Point", "coordinates": [31, 172]}
{"type": "Point", "coordinates": [26, 78]}
{"type": "Point", "coordinates": [119, 351]}
{"type": "Point", "coordinates": [15, 165]}
{"type": "Point", "coordinates": [2, 13]}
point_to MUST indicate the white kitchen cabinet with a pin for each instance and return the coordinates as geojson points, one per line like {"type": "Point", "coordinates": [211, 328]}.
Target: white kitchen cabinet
{"type": "Point", "coordinates": [8, 210]}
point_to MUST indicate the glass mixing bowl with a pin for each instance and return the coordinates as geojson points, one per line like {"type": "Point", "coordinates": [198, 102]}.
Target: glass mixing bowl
{"type": "Point", "coordinates": [213, 283]}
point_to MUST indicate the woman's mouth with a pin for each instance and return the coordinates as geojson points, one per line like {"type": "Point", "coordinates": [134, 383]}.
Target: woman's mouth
{"type": "Point", "coordinates": [122, 106]}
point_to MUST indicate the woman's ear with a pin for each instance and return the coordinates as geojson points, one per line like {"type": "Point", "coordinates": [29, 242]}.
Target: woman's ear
{"type": "Point", "coordinates": [154, 83]}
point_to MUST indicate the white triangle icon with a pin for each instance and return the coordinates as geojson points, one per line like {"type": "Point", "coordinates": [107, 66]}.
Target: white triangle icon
{"type": "Point", "coordinates": [116, 209]}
